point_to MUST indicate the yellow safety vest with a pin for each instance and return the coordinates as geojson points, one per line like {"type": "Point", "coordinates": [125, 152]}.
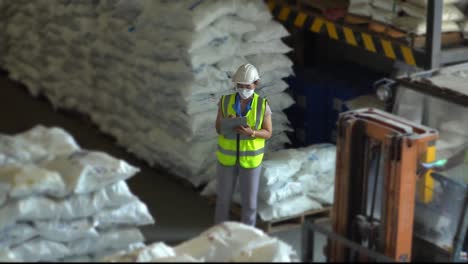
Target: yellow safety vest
{"type": "Point", "coordinates": [250, 150]}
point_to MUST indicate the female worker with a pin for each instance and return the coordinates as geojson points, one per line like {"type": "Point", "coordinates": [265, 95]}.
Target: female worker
{"type": "Point", "coordinates": [242, 154]}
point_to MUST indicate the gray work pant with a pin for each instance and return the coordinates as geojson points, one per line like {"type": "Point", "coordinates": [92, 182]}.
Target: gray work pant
{"type": "Point", "coordinates": [226, 183]}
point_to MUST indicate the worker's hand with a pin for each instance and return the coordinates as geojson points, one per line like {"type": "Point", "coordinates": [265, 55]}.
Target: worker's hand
{"type": "Point", "coordinates": [244, 130]}
{"type": "Point", "coordinates": [231, 116]}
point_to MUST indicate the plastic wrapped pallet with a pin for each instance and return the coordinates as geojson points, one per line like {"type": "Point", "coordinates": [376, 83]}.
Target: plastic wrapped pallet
{"type": "Point", "coordinates": [419, 25]}
{"type": "Point", "coordinates": [414, 18]}
{"type": "Point", "coordinates": [383, 16]}
{"type": "Point", "coordinates": [35, 145]}
{"type": "Point", "coordinates": [60, 202]}
{"type": "Point", "coordinates": [226, 242]}
{"type": "Point", "coordinates": [464, 28]}
{"type": "Point", "coordinates": [40, 250]}
{"type": "Point", "coordinates": [450, 11]}
{"type": "Point", "coordinates": [86, 172]}
{"type": "Point", "coordinates": [360, 7]}
{"type": "Point", "coordinates": [385, 11]}
{"type": "Point", "coordinates": [274, 195]}
{"type": "Point", "coordinates": [111, 239]}
{"type": "Point", "coordinates": [142, 75]}
{"type": "Point", "coordinates": [17, 234]}
{"type": "Point", "coordinates": [423, 3]}
{"type": "Point", "coordinates": [8, 256]}
{"type": "Point", "coordinates": [63, 231]}
{"type": "Point", "coordinates": [293, 181]}
{"type": "Point", "coordinates": [317, 174]}
{"type": "Point", "coordinates": [391, 6]}
{"type": "Point", "coordinates": [409, 15]}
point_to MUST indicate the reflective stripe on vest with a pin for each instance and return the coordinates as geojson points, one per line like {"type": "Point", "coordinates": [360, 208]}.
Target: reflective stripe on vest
{"type": "Point", "coordinates": [241, 153]}
{"type": "Point", "coordinates": [251, 149]}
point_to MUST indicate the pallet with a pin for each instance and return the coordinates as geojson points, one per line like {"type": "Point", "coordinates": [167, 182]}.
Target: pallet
{"type": "Point", "coordinates": [356, 19]}
{"type": "Point", "coordinates": [277, 225]}
{"type": "Point", "coordinates": [374, 26]}
{"type": "Point", "coordinates": [292, 222]}
{"type": "Point", "coordinates": [388, 30]}
{"type": "Point", "coordinates": [448, 39]}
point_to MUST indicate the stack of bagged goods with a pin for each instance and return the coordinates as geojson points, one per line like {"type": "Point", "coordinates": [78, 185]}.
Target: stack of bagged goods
{"type": "Point", "coordinates": [408, 15]}
{"type": "Point", "coordinates": [385, 11]}
{"type": "Point", "coordinates": [317, 173]}
{"type": "Point", "coordinates": [226, 242]}
{"type": "Point", "coordinates": [3, 35]}
{"type": "Point", "coordinates": [151, 72]}
{"type": "Point", "coordinates": [361, 8]}
{"type": "Point", "coordinates": [62, 203]}
{"type": "Point", "coordinates": [293, 181]}
{"type": "Point", "coordinates": [414, 16]}
{"type": "Point", "coordinates": [382, 11]}
{"type": "Point", "coordinates": [22, 21]}
{"type": "Point", "coordinates": [464, 28]}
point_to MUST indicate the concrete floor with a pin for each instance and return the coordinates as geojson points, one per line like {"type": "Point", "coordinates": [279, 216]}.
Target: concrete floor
{"type": "Point", "coordinates": [180, 212]}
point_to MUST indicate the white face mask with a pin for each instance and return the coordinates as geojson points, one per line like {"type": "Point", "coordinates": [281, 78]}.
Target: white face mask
{"type": "Point", "coordinates": [245, 93]}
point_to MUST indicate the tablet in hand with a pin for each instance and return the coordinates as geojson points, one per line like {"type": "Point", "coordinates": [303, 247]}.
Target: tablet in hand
{"type": "Point", "coordinates": [229, 125]}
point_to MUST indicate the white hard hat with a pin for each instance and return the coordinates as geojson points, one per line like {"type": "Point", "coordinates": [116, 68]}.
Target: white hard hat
{"type": "Point", "coordinates": [246, 74]}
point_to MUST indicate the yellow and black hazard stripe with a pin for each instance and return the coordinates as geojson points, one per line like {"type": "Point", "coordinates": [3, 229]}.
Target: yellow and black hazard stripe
{"type": "Point", "coordinates": [365, 40]}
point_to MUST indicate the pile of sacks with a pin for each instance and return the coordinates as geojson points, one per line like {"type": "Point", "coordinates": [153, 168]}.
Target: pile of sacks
{"type": "Point", "coordinates": [293, 181]}
{"type": "Point", "coordinates": [150, 72]}
{"type": "Point", "coordinates": [379, 10]}
{"type": "Point", "coordinates": [408, 15]}
{"type": "Point", "coordinates": [62, 203]}
{"type": "Point", "coordinates": [226, 242]}
{"type": "Point", "coordinates": [3, 35]}
{"type": "Point", "coordinates": [415, 15]}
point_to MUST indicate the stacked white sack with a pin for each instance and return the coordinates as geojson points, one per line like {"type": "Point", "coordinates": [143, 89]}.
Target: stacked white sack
{"type": "Point", "coordinates": [21, 22]}
{"type": "Point", "coordinates": [150, 72]}
{"type": "Point", "coordinates": [3, 35]}
{"type": "Point", "coordinates": [226, 242]}
{"type": "Point", "coordinates": [378, 10]}
{"type": "Point", "coordinates": [58, 201]}
{"type": "Point", "coordinates": [360, 7]}
{"type": "Point", "coordinates": [415, 15]}
{"type": "Point", "coordinates": [293, 181]}
{"type": "Point", "coordinates": [385, 11]}
{"type": "Point", "coordinates": [409, 15]}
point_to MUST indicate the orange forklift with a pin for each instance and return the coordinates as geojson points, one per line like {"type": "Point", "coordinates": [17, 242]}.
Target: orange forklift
{"type": "Point", "coordinates": [388, 206]}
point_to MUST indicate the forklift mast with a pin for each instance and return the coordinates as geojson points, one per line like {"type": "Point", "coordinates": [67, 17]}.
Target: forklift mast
{"type": "Point", "coordinates": [378, 157]}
